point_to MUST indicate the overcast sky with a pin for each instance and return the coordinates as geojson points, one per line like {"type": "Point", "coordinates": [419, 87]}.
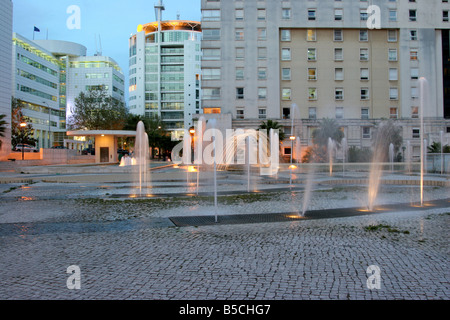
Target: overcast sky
{"type": "Point", "coordinates": [113, 20]}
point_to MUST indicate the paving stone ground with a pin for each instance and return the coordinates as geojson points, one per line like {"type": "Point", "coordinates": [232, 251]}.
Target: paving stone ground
{"type": "Point", "coordinates": [301, 260]}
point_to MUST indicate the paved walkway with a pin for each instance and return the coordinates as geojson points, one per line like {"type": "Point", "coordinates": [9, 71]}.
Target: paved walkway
{"type": "Point", "coordinates": [128, 250]}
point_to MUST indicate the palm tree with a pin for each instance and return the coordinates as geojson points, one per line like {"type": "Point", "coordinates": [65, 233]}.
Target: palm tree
{"type": "Point", "coordinates": [2, 127]}
{"type": "Point", "coordinates": [329, 128]}
{"type": "Point", "coordinates": [270, 124]}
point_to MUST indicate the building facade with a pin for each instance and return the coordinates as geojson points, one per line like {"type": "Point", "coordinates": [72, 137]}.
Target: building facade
{"type": "Point", "coordinates": [50, 74]}
{"type": "Point", "coordinates": [332, 59]}
{"type": "Point", "coordinates": [6, 18]}
{"type": "Point", "coordinates": [164, 76]}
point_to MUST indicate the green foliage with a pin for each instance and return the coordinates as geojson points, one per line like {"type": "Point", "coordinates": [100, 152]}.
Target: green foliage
{"type": "Point", "coordinates": [95, 110]}
{"type": "Point", "coordinates": [385, 133]}
{"type": "Point", "coordinates": [18, 134]}
{"type": "Point", "coordinates": [328, 128]}
{"type": "Point", "coordinates": [435, 147]}
{"type": "Point", "coordinates": [270, 124]}
{"type": "Point", "coordinates": [3, 124]}
{"type": "Point", "coordinates": [356, 154]}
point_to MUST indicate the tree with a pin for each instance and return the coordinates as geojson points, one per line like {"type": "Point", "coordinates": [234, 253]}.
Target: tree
{"type": "Point", "coordinates": [20, 134]}
{"type": "Point", "coordinates": [95, 110]}
{"type": "Point", "coordinates": [3, 124]}
{"type": "Point", "coordinates": [270, 124]}
{"type": "Point", "coordinates": [385, 133]}
{"type": "Point", "coordinates": [435, 147]}
{"type": "Point", "coordinates": [328, 128]}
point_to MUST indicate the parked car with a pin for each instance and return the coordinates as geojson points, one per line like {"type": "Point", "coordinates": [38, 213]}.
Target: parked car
{"type": "Point", "coordinates": [26, 148]}
{"type": "Point", "coordinates": [59, 147]}
{"type": "Point", "coordinates": [88, 151]}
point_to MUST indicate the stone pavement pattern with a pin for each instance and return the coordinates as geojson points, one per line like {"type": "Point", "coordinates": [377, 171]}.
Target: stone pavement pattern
{"type": "Point", "coordinates": [315, 259]}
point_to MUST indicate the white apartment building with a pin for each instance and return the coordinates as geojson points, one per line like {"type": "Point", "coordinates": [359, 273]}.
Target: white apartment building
{"type": "Point", "coordinates": [164, 76]}
{"type": "Point", "coordinates": [6, 15]}
{"type": "Point", "coordinates": [50, 74]}
{"type": "Point", "coordinates": [262, 56]}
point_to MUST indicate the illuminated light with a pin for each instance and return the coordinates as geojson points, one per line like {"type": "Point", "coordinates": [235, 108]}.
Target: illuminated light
{"type": "Point", "coordinates": [103, 135]}
{"type": "Point", "coordinates": [26, 198]}
{"type": "Point", "coordinates": [292, 166]}
{"type": "Point", "coordinates": [133, 196]}
{"type": "Point", "coordinates": [294, 216]}
{"type": "Point", "coordinates": [292, 138]}
{"type": "Point", "coordinates": [192, 169]}
{"type": "Point", "coordinates": [176, 166]}
{"type": "Point", "coordinates": [23, 124]}
{"type": "Point", "coordinates": [192, 131]}
{"type": "Point", "coordinates": [140, 28]}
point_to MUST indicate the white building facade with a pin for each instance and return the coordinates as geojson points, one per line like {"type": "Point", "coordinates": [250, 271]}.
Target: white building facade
{"type": "Point", "coordinates": [262, 56]}
{"type": "Point", "coordinates": [6, 18]}
{"type": "Point", "coordinates": [164, 77]}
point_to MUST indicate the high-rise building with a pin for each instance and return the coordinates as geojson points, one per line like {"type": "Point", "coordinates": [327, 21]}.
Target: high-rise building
{"type": "Point", "coordinates": [50, 74]}
{"type": "Point", "coordinates": [6, 15]}
{"type": "Point", "coordinates": [333, 59]}
{"type": "Point", "coordinates": [165, 68]}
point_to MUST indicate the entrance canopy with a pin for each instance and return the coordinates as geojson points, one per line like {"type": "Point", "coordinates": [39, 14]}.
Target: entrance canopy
{"type": "Point", "coordinates": [105, 142]}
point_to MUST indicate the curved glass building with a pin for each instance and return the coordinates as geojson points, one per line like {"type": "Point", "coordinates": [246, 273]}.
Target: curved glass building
{"type": "Point", "coordinates": [164, 74]}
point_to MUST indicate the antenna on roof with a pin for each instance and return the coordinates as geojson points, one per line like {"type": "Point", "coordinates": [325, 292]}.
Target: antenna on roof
{"type": "Point", "coordinates": [158, 10]}
{"type": "Point", "coordinates": [100, 42]}
{"type": "Point", "coordinates": [178, 15]}
{"type": "Point", "coordinates": [95, 39]}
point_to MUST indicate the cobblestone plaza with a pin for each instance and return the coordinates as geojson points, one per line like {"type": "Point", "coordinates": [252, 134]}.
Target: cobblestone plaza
{"type": "Point", "coordinates": [129, 249]}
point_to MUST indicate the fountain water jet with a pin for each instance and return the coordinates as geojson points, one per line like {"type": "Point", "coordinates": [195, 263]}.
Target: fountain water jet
{"type": "Point", "coordinates": [423, 83]}
{"type": "Point", "coordinates": [141, 159]}
{"type": "Point", "coordinates": [331, 147]}
{"type": "Point", "coordinates": [391, 156]}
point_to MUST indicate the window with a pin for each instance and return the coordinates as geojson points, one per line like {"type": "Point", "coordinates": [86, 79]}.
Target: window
{"type": "Point", "coordinates": [211, 93]}
{"type": "Point", "coordinates": [413, 54]}
{"type": "Point", "coordinates": [262, 113]}
{"type": "Point", "coordinates": [240, 53]}
{"type": "Point", "coordinates": [286, 94]}
{"type": "Point", "coordinates": [416, 133]}
{"type": "Point", "coordinates": [339, 94]}
{"type": "Point", "coordinates": [414, 93]}
{"type": "Point", "coordinates": [285, 35]}
{"type": "Point", "coordinates": [312, 54]}
{"type": "Point", "coordinates": [239, 14]}
{"type": "Point", "coordinates": [364, 113]}
{"type": "Point", "coordinates": [339, 74]}
{"type": "Point", "coordinates": [363, 14]}
{"type": "Point", "coordinates": [286, 13]}
{"type": "Point", "coordinates": [393, 74]}
{"type": "Point", "coordinates": [412, 15]}
{"type": "Point", "coordinates": [211, 74]}
{"type": "Point", "coordinates": [262, 34]}
{"type": "Point", "coordinates": [392, 54]}
{"type": "Point", "coordinates": [311, 35]}
{"type": "Point", "coordinates": [413, 35]}
{"type": "Point", "coordinates": [239, 34]}
{"type": "Point", "coordinates": [262, 73]}
{"type": "Point", "coordinates": [211, 15]}
{"type": "Point", "coordinates": [312, 74]}
{"type": "Point", "coordinates": [262, 53]}
{"type": "Point", "coordinates": [392, 15]}
{"type": "Point", "coordinates": [366, 132]}
{"type": "Point", "coordinates": [339, 112]}
{"type": "Point", "coordinates": [211, 54]}
{"type": "Point", "coordinates": [286, 74]}
{"type": "Point", "coordinates": [262, 93]}
{"type": "Point", "coordinates": [239, 93]}
{"type": "Point", "coordinates": [393, 113]}
{"type": "Point", "coordinates": [393, 93]}
{"type": "Point", "coordinates": [414, 112]}
{"type": "Point", "coordinates": [312, 94]}
{"type": "Point", "coordinates": [414, 73]}
{"type": "Point", "coordinates": [364, 74]}
{"type": "Point", "coordinates": [363, 35]}
{"type": "Point", "coordinates": [261, 14]}
{"type": "Point", "coordinates": [338, 14]}
{"type": "Point", "coordinates": [445, 16]}
{"type": "Point", "coordinates": [285, 54]}
{"type": "Point", "coordinates": [392, 35]}
{"type": "Point", "coordinates": [239, 113]}
{"type": "Point", "coordinates": [211, 34]}
{"type": "Point", "coordinates": [364, 54]}
{"type": "Point", "coordinates": [311, 14]}
{"type": "Point", "coordinates": [312, 113]}
{"type": "Point", "coordinates": [364, 93]}
{"type": "Point", "coordinates": [338, 54]}
{"type": "Point", "coordinates": [338, 35]}
{"type": "Point", "coordinates": [239, 73]}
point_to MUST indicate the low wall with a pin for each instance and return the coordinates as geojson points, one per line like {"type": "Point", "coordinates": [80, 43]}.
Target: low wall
{"type": "Point", "coordinates": [50, 157]}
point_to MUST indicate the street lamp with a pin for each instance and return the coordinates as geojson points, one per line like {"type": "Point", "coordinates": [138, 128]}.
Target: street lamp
{"type": "Point", "coordinates": [23, 126]}
{"type": "Point", "coordinates": [292, 138]}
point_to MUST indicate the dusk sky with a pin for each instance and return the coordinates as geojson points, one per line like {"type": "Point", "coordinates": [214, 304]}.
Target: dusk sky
{"type": "Point", "coordinates": [113, 20]}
